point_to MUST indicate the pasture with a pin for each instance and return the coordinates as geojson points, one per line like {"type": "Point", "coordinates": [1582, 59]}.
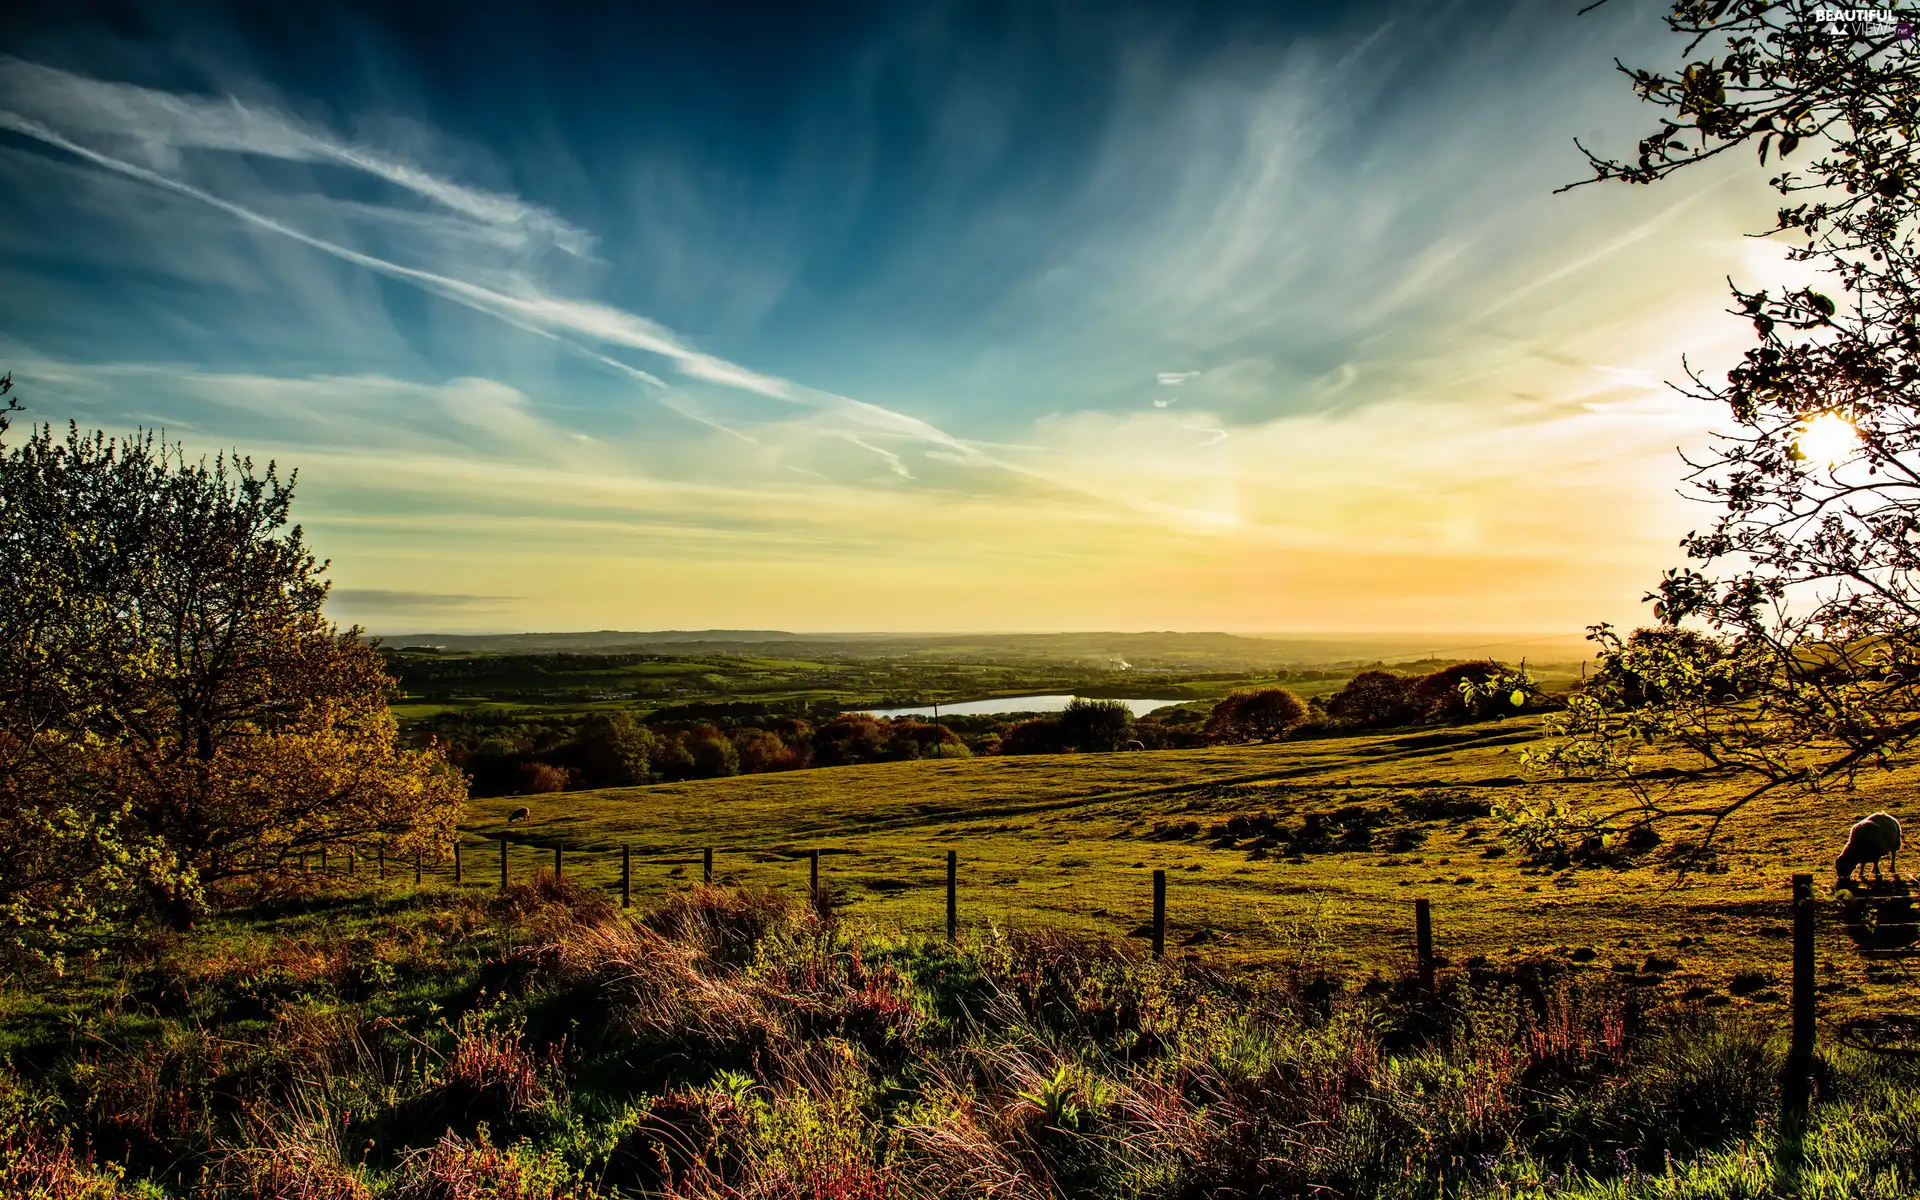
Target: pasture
{"type": "Point", "coordinates": [1319, 844]}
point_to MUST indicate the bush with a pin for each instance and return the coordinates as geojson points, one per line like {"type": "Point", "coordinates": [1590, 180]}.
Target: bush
{"type": "Point", "coordinates": [848, 739]}
{"type": "Point", "coordinates": [1265, 715]}
{"type": "Point", "coordinates": [1041, 735]}
{"type": "Point", "coordinates": [536, 778]}
{"type": "Point", "coordinates": [1373, 699]}
{"type": "Point", "coordinates": [1096, 724]}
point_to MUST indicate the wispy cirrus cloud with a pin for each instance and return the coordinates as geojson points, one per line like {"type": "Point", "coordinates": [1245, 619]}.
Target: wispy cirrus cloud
{"type": "Point", "coordinates": [160, 126]}
{"type": "Point", "coordinates": [64, 111]}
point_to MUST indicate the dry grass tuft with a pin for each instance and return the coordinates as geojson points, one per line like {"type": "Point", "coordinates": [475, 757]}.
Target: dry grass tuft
{"type": "Point", "coordinates": [456, 1169]}
{"type": "Point", "coordinates": [33, 1167]}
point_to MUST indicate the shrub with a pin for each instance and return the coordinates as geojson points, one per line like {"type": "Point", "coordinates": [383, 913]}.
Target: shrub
{"type": "Point", "coordinates": [1440, 697]}
{"type": "Point", "coordinates": [1041, 735]}
{"type": "Point", "coordinates": [850, 738]}
{"type": "Point", "coordinates": [538, 778]}
{"type": "Point", "coordinates": [1096, 724]}
{"type": "Point", "coordinates": [1265, 715]}
{"type": "Point", "coordinates": [1373, 699]}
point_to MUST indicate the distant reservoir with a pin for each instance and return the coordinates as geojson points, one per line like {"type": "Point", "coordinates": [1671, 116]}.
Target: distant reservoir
{"type": "Point", "coordinates": [1006, 704]}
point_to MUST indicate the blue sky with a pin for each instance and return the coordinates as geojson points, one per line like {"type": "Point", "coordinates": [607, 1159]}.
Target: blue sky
{"type": "Point", "coordinates": [1018, 316]}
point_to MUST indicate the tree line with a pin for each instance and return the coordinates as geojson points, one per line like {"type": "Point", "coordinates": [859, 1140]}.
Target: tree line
{"type": "Point", "coordinates": [504, 754]}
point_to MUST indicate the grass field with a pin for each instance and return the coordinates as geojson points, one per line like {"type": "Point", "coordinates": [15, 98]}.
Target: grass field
{"type": "Point", "coordinates": [342, 1037]}
{"type": "Point", "coordinates": [1071, 841]}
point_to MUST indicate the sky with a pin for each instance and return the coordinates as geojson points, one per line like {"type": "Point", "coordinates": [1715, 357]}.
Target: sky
{"type": "Point", "coordinates": [1024, 316]}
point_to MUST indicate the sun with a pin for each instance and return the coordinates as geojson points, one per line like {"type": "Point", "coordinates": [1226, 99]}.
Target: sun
{"type": "Point", "coordinates": [1827, 439]}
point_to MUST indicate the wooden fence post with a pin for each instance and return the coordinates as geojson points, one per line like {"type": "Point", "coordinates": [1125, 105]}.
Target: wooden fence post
{"type": "Point", "coordinates": [1159, 914]}
{"type": "Point", "coordinates": [556, 864]}
{"type": "Point", "coordinates": [1800, 1057]}
{"type": "Point", "coordinates": [416, 868]}
{"type": "Point", "coordinates": [706, 867]}
{"type": "Point", "coordinates": [383, 861]}
{"type": "Point", "coordinates": [456, 864]}
{"type": "Point", "coordinates": [323, 860]}
{"type": "Point", "coordinates": [626, 876]}
{"type": "Point", "coordinates": [813, 878]}
{"type": "Point", "coordinates": [1423, 944]}
{"type": "Point", "coordinates": [503, 862]}
{"type": "Point", "coordinates": [953, 897]}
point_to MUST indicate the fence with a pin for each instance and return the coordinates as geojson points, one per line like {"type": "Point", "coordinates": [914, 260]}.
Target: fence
{"type": "Point", "coordinates": [1803, 1008]}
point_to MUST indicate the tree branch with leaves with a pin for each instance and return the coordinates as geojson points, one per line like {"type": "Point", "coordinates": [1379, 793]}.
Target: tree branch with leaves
{"type": "Point", "coordinates": [1787, 652]}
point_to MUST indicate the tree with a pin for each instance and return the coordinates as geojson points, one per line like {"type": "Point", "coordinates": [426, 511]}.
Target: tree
{"type": "Point", "coordinates": [850, 738]}
{"type": "Point", "coordinates": [534, 778]}
{"type": "Point", "coordinates": [617, 751]}
{"type": "Point", "coordinates": [1804, 578]}
{"type": "Point", "coordinates": [175, 711]}
{"type": "Point", "coordinates": [713, 752]}
{"type": "Point", "coordinates": [1373, 699]}
{"type": "Point", "coordinates": [1096, 724]}
{"type": "Point", "coordinates": [1461, 692]}
{"type": "Point", "coordinates": [908, 738]}
{"type": "Point", "coordinates": [1038, 735]}
{"type": "Point", "coordinates": [1264, 715]}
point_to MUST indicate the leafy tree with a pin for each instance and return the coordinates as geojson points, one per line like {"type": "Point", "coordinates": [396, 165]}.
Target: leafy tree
{"type": "Point", "coordinates": [1096, 724]}
{"type": "Point", "coordinates": [1264, 715]}
{"type": "Point", "coordinates": [1040, 735]}
{"type": "Point", "coordinates": [850, 738]}
{"type": "Point", "coordinates": [712, 751]}
{"type": "Point", "coordinates": [1459, 692]}
{"type": "Point", "coordinates": [759, 751]}
{"type": "Point", "coordinates": [536, 778]}
{"type": "Point", "coordinates": [908, 738]}
{"type": "Point", "coordinates": [617, 751]}
{"type": "Point", "coordinates": [175, 711]}
{"type": "Point", "coordinates": [1804, 578]}
{"type": "Point", "coordinates": [1374, 699]}
{"type": "Point", "coordinates": [1636, 671]}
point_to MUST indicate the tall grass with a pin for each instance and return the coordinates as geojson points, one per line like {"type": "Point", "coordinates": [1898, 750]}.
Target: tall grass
{"type": "Point", "coordinates": [734, 1045]}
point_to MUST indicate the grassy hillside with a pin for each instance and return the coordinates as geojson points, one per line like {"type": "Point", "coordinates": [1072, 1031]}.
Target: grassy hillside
{"type": "Point", "coordinates": [344, 1038]}
{"type": "Point", "coordinates": [1337, 838]}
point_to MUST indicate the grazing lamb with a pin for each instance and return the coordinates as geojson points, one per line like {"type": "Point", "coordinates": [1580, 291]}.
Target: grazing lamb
{"type": "Point", "coordinates": [1869, 841]}
{"type": "Point", "coordinates": [1136, 744]}
{"type": "Point", "coordinates": [520, 814]}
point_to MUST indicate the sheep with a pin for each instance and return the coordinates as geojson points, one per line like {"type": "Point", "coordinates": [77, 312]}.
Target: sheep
{"type": "Point", "coordinates": [523, 813]}
{"type": "Point", "coordinates": [1870, 840]}
{"type": "Point", "coordinates": [1136, 744]}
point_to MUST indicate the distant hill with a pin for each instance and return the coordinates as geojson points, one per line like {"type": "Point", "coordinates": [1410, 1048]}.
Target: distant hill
{"type": "Point", "coordinates": [599, 640]}
{"type": "Point", "coordinates": [1185, 650]}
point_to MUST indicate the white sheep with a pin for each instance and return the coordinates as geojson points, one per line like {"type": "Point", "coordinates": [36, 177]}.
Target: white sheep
{"type": "Point", "coordinates": [1870, 840]}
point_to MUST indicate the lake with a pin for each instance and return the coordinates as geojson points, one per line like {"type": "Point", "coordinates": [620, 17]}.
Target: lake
{"type": "Point", "coordinates": [1006, 704]}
